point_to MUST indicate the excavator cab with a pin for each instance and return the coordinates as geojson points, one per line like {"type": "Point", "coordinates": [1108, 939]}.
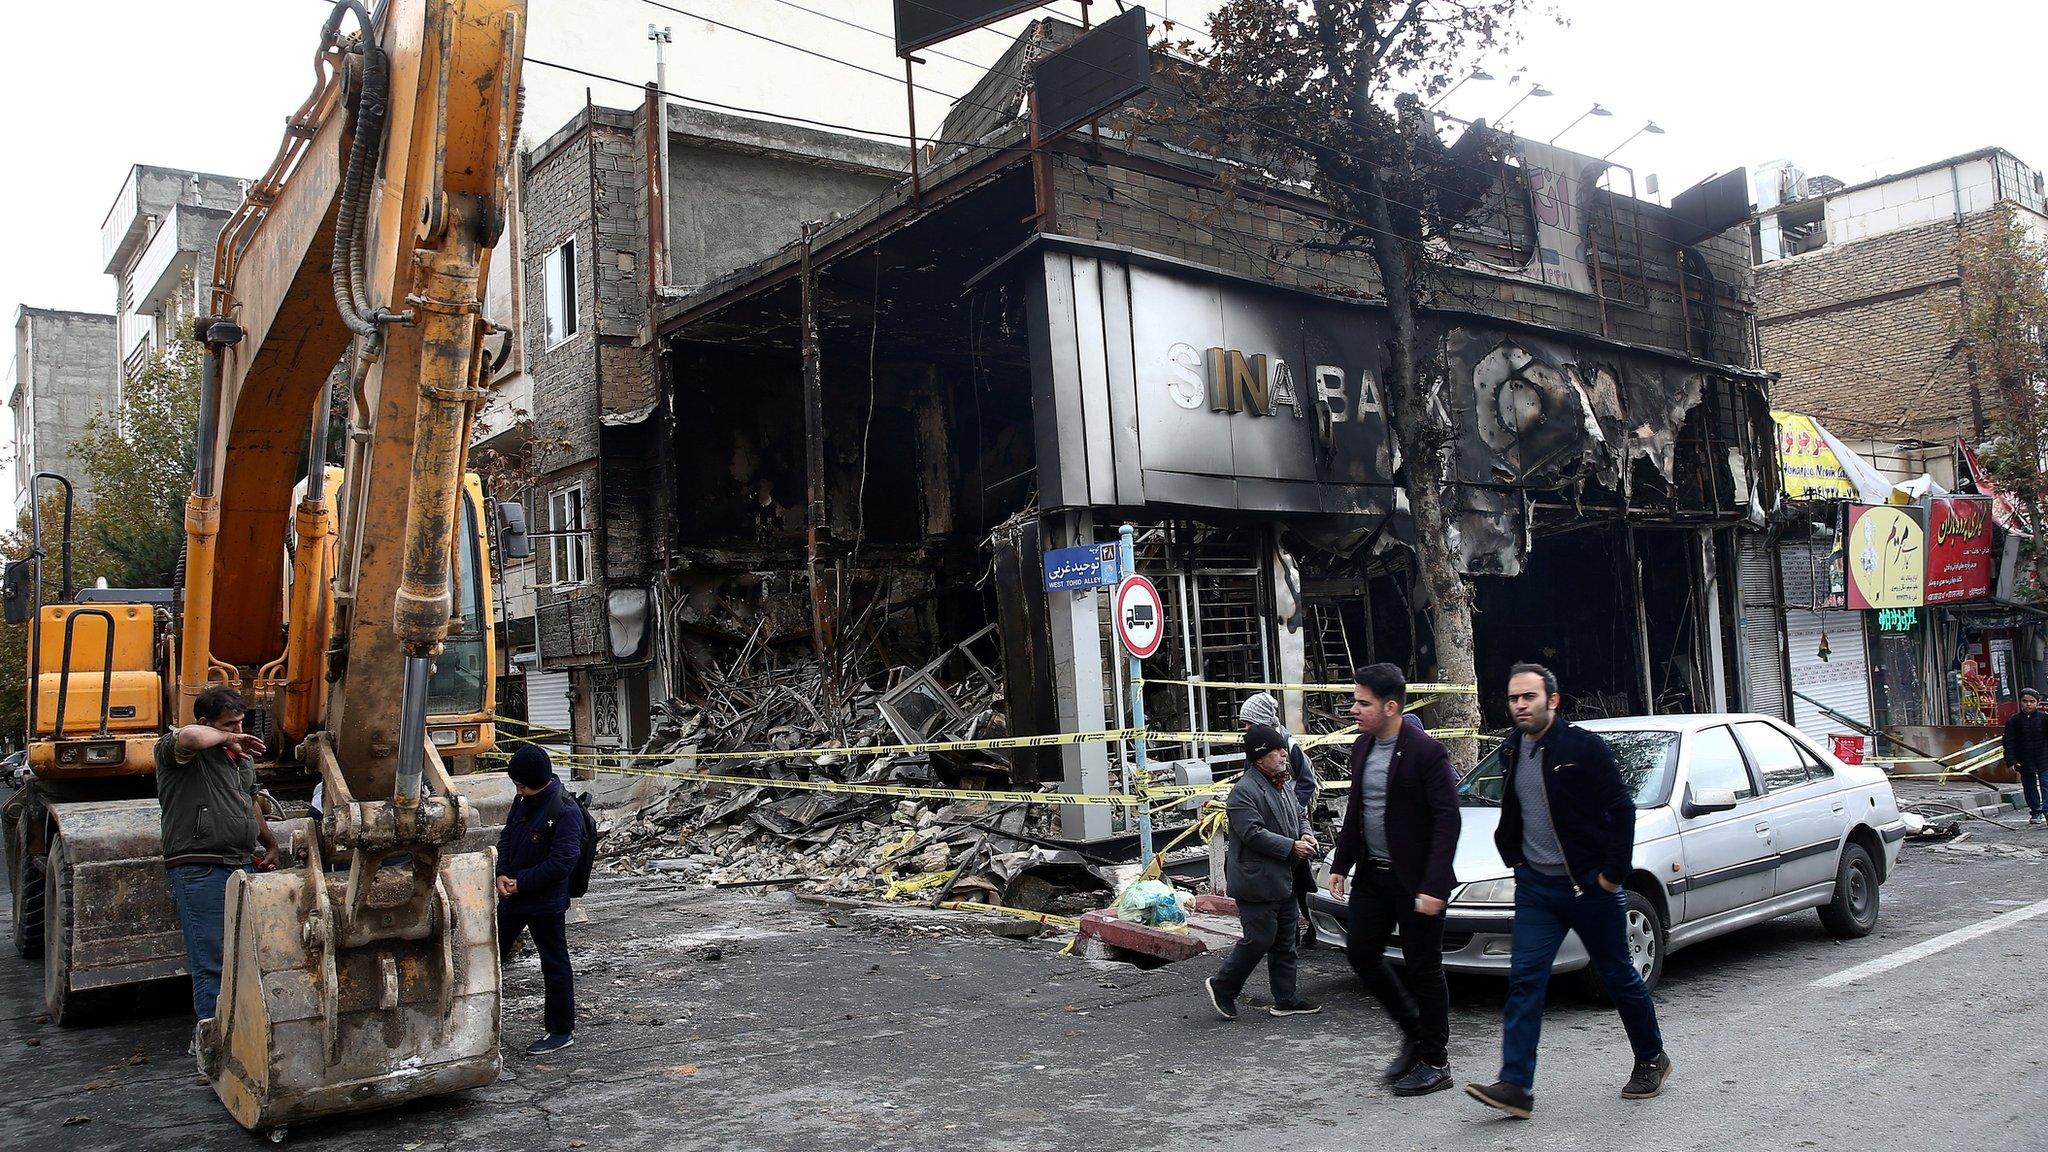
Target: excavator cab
{"type": "Point", "coordinates": [96, 700]}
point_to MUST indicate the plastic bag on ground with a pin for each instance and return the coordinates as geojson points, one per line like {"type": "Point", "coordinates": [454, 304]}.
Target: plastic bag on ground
{"type": "Point", "coordinates": [1154, 903]}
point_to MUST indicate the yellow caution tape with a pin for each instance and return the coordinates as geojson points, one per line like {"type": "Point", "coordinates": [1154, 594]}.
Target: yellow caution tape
{"type": "Point", "coordinates": [1051, 740]}
{"type": "Point", "coordinates": [1067, 922]}
{"type": "Point", "coordinates": [918, 883]}
{"type": "Point", "coordinates": [902, 791]}
{"type": "Point", "coordinates": [1246, 685]}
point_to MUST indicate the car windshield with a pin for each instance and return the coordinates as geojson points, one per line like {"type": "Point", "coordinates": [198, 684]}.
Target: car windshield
{"type": "Point", "coordinates": [1644, 756]}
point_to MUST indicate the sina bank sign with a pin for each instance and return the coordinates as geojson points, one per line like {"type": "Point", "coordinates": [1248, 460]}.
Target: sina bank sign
{"type": "Point", "coordinates": [1172, 385]}
{"type": "Point", "coordinates": [1261, 384]}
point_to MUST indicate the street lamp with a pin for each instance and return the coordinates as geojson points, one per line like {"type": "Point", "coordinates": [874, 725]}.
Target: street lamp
{"type": "Point", "coordinates": [1534, 90]}
{"type": "Point", "coordinates": [1475, 74]}
{"type": "Point", "coordinates": [1649, 126]}
{"type": "Point", "coordinates": [1595, 110]}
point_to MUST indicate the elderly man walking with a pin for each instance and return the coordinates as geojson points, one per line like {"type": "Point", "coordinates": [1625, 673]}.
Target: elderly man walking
{"type": "Point", "coordinates": [1263, 708]}
{"type": "Point", "coordinates": [1267, 835]}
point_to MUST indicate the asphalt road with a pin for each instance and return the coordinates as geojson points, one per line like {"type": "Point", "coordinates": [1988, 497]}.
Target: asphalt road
{"type": "Point", "coordinates": [758, 1022]}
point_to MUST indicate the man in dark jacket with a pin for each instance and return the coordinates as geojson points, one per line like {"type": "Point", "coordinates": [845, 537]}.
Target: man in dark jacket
{"type": "Point", "coordinates": [1400, 831]}
{"type": "Point", "coordinates": [537, 854]}
{"type": "Point", "coordinates": [211, 827]}
{"type": "Point", "coordinates": [1568, 828]}
{"type": "Point", "coordinates": [1268, 833]}
{"type": "Point", "coordinates": [2026, 752]}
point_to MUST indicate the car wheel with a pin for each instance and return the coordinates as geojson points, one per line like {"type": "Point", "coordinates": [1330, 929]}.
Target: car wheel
{"type": "Point", "coordinates": [1643, 935]}
{"type": "Point", "coordinates": [1853, 911]}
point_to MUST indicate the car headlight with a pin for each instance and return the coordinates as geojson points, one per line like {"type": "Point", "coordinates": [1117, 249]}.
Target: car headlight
{"type": "Point", "coordinates": [1501, 891]}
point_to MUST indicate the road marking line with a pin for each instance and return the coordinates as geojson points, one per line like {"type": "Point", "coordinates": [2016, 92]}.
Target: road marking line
{"type": "Point", "coordinates": [1926, 948]}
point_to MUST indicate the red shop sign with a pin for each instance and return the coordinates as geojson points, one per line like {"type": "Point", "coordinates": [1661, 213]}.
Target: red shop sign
{"type": "Point", "coordinates": [1958, 549]}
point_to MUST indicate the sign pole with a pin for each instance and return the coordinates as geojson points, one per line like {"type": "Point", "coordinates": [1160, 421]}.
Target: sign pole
{"type": "Point", "coordinates": [1127, 558]}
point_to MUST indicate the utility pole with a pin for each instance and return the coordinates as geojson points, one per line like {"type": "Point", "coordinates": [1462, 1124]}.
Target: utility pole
{"type": "Point", "coordinates": [662, 38]}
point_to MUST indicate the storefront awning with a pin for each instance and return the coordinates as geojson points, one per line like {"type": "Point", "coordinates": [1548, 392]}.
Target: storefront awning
{"type": "Point", "coordinates": [1814, 465]}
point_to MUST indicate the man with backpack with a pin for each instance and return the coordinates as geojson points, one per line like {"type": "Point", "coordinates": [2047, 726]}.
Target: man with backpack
{"type": "Point", "coordinates": [540, 857]}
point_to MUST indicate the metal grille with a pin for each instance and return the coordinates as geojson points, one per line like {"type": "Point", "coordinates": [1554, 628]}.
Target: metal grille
{"type": "Point", "coordinates": [1217, 605]}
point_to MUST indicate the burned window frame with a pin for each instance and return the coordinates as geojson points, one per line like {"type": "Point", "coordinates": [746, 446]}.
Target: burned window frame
{"type": "Point", "coordinates": [568, 542]}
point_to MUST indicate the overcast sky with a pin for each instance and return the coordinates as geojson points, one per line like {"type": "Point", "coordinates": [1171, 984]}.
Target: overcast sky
{"type": "Point", "coordinates": [1851, 88]}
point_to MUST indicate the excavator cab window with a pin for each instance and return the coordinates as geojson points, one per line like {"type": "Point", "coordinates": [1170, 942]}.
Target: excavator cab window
{"type": "Point", "coordinates": [456, 687]}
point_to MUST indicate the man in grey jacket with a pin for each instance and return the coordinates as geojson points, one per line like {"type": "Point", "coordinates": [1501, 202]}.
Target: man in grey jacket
{"type": "Point", "coordinates": [1268, 833]}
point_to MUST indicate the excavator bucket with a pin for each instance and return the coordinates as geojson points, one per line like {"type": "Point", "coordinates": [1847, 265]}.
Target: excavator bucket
{"type": "Point", "coordinates": [310, 1025]}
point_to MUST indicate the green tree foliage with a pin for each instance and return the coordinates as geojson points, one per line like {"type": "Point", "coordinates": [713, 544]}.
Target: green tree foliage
{"type": "Point", "coordinates": [140, 460]}
{"type": "Point", "coordinates": [1998, 323]}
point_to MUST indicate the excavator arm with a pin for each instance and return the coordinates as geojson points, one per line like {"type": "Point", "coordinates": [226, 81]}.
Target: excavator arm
{"type": "Point", "coordinates": [365, 246]}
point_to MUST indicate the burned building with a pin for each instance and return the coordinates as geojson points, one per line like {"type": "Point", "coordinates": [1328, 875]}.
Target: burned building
{"type": "Point", "coordinates": [599, 246]}
{"type": "Point", "coordinates": [879, 431]}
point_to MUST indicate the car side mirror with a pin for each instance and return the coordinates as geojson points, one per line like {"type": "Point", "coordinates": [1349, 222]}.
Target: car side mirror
{"type": "Point", "coordinates": [512, 537]}
{"type": "Point", "coordinates": [1701, 801]}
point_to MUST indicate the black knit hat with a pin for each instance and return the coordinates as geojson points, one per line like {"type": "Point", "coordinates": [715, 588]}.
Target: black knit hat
{"type": "Point", "coordinates": [530, 766]}
{"type": "Point", "coordinates": [1260, 739]}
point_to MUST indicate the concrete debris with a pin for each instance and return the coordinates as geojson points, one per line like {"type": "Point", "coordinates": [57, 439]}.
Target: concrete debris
{"type": "Point", "coordinates": [846, 844]}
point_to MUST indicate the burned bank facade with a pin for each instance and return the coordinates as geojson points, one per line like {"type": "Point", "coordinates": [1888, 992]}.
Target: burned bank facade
{"type": "Point", "coordinates": [879, 433]}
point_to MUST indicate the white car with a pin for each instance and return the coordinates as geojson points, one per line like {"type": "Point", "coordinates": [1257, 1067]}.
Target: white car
{"type": "Point", "coordinates": [1739, 819]}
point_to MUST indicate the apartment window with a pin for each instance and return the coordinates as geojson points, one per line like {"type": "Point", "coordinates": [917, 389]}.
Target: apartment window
{"type": "Point", "coordinates": [568, 547]}
{"type": "Point", "coordinates": [558, 289]}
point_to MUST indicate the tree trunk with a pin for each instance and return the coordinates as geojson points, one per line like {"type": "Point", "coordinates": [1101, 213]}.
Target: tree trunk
{"type": "Point", "coordinates": [1423, 444]}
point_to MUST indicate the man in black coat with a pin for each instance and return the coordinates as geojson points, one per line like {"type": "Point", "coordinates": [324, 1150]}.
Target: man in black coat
{"type": "Point", "coordinates": [1568, 828]}
{"type": "Point", "coordinates": [1400, 832]}
{"type": "Point", "coordinates": [2026, 752]}
{"type": "Point", "coordinates": [537, 854]}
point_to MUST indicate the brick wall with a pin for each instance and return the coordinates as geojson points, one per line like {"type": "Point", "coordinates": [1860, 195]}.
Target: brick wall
{"type": "Point", "coordinates": [557, 207]}
{"type": "Point", "coordinates": [1180, 218]}
{"type": "Point", "coordinates": [1856, 333]}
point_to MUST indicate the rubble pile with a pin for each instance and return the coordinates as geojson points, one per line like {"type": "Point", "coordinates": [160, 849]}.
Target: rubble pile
{"type": "Point", "coordinates": [848, 844]}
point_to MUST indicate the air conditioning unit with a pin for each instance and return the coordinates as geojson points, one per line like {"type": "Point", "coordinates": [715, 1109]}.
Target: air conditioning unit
{"type": "Point", "coordinates": [1779, 182]}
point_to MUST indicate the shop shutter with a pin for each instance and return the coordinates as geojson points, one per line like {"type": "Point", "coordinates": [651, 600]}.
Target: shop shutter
{"type": "Point", "coordinates": [1761, 627]}
{"type": "Point", "coordinates": [547, 706]}
{"type": "Point", "coordinates": [1842, 681]}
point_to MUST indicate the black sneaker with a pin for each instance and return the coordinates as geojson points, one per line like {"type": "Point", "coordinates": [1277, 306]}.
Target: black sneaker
{"type": "Point", "coordinates": [1512, 1099]}
{"type": "Point", "coordinates": [1648, 1079]}
{"type": "Point", "coordinates": [1404, 1063]}
{"type": "Point", "coordinates": [1226, 1006]}
{"type": "Point", "coordinates": [1295, 1008]}
{"type": "Point", "coordinates": [1423, 1079]}
{"type": "Point", "coordinates": [552, 1042]}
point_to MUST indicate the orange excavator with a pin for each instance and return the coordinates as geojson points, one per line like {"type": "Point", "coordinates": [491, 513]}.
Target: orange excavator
{"type": "Point", "coordinates": [364, 972]}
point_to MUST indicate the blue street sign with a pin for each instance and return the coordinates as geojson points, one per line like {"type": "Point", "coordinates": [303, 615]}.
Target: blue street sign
{"type": "Point", "coordinates": [1085, 566]}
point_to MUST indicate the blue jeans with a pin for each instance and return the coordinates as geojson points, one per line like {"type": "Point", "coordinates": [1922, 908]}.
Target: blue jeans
{"type": "Point", "coordinates": [1545, 909]}
{"type": "Point", "coordinates": [2035, 782]}
{"type": "Point", "coordinates": [201, 893]}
